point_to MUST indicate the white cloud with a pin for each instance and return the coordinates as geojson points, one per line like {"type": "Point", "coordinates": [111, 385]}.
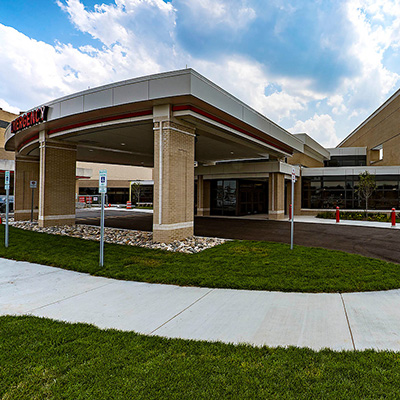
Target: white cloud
{"type": "Point", "coordinates": [320, 127]}
{"type": "Point", "coordinates": [337, 104]}
{"type": "Point", "coordinates": [37, 72]}
{"type": "Point", "coordinates": [374, 81]}
{"type": "Point", "coordinates": [138, 37]}
{"type": "Point", "coordinates": [5, 106]}
{"type": "Point", "coordinates": [232, 14]}
{"type": "Point", "coordinates": [247, 80]}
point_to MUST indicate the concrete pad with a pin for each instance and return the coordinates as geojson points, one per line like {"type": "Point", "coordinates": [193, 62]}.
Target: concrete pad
{"type": "Point", "coordinates": [141, 307]}
{"type": "Point", "coordinates": [374, 319]}
{"type": "Point", "coordinates": [364, 224]}
{"type": "Point", "coordinates": [11, 270]}
{"type": "Point", "coordinates": [25, 294]}
{"type": "Point", "coordinates": [264, 318]}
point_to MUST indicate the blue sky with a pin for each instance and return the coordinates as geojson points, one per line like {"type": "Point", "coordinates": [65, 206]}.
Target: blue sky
{"type": "Point", "coordinates": [319, 67]}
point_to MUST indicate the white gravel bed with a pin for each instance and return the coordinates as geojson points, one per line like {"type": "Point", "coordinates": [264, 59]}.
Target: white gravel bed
{"type": "Point", "coordinates": [191, 245]}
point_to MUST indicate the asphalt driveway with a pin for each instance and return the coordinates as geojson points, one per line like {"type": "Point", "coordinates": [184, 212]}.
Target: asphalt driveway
{"type": "Point", "coordinates": [367, 241]}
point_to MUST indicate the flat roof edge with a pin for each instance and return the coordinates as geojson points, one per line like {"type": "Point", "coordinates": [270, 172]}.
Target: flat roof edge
{"type": "Point", "coordinates": [376, 112]}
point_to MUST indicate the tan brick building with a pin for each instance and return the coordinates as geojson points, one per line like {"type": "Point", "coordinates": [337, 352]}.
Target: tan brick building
{"type": "Point", "coordinates": [211, 154]}
{"type": "Point", "coordinates": [374, 146]}
{"type": "Point", "coordinates": [168, 122]}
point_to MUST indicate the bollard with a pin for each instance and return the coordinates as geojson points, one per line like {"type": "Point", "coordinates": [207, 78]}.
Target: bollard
{"type": "Point", "coordinates": [290, 212]}
{"type": "Point", "coordinates": [393, 217]}
{"type": "Point", "coordinates": [128, 205]}
{"type": "Point", "coordinates": [337, 215]}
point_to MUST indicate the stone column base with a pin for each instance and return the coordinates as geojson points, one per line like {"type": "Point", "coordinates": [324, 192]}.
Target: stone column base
{"type": "Point", "coordinates": [203, 212]}
{"type": "Point", "coordinates": [56, 220]}
{"type": "Point", "coordinates": [275, 215]}
{"type": "Point", "coordinates": [169, 233]}
{"type": "Point", "coordinates": [25, 215]}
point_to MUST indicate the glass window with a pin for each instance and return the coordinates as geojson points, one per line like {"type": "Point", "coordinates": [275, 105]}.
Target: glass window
{"type": "Point", "coordinates": [341, 191]}
{"type": "Point", "coordinates": [346, 161]}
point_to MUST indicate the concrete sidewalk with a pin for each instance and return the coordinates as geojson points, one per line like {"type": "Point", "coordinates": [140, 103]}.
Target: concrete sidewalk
{"type": "Point", "coordinates": [348, 222]}
{"type": "Point", "coordinates": [340, 322]}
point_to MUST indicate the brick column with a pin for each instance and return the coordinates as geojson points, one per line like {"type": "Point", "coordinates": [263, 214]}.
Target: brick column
{"type": "Point", "coordinates": [26, 170]}
{"type": "Point", "coordinates": [203, 196]}
{"type": "Point", "coordinates": [173, 178]}
{"type": "Point", "coordinates": [57, 182]}
{"type": "Point", "coordinates": [276, 203]}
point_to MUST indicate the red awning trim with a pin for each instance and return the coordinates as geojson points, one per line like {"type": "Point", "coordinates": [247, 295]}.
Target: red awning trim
{"type": "Point", "coordinates": [279, 146]}
{"type": "Point", "coordinates": [34, 137]}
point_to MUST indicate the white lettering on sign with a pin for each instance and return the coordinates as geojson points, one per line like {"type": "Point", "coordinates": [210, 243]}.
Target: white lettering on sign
{"type": "Point", "coordinates": [103, 181]}
{"type": "Point", "coordinates": [7, 180]}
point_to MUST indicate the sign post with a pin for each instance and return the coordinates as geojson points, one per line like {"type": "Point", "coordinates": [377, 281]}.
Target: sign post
{"type": "Point", "coordinates": [103, 191]}
{"type": "Point", "coordinates": [292, 220]}
{"type": "Point", "coordinates": [33, 186]}
{"type": "Point", "coordinates": [7, 187]}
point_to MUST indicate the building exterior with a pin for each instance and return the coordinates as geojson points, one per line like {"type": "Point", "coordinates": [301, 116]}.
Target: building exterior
{"type": "Point", "coordinates": [6, 157]}
{"type": "Point", "coordinates": [374, 146]}
{"type": "Point", "coordinates": [166, 121]}
{"type": "Point", "coordinates": [211, 154]}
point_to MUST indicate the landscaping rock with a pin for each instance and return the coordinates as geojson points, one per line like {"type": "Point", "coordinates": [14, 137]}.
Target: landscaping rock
{"type": "Point", "coordinates": [191, 245]}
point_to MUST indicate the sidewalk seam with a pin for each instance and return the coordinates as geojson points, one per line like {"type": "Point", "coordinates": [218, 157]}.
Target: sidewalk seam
{"type": "Point", "coordinates": [348, 321]}
{"type": "Point", "coordinates": [67, 298]}
{"type": "Point", "coordinates": [180, 312]}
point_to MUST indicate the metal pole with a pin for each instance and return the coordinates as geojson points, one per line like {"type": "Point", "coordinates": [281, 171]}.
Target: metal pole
{"type": "Point", "coordinates": [7, 208]}
{"type": "Point", "coordinates": [102, 231]}
{"type": "Point", "coordinates": [33, 190]}
{"type": "Point", "coordinates": [292, 221]}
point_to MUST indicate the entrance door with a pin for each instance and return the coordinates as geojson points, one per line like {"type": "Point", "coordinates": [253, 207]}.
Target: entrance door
{"type": "Point", "coordinates": [253, 197]}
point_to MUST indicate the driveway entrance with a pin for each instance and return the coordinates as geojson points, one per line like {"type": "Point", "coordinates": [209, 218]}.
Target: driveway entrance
{"type": "Point", "coordinates": [370, 242]}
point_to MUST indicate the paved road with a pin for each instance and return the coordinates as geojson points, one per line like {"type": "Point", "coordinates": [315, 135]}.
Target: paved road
{"type": "Point", "coordinates": [337, 321]}
{"type": "Point", "coordinates": [371, 242]}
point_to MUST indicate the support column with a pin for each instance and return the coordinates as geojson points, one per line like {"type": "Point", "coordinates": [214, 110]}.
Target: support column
{"type": "Point", "coordinates": [173, 217]}
{"type": "Point", "coordinates": [26, 170]}
{"type": "Point", "coordinates": [297, 196]}
{"type": "Point", "coordinates": [76, 190]}
{"type": "Point", "coordinates": [276, 202]}
{"type": "Point", "coordinates": [57, 182]}
{"type": "Point", "coordinates": [203, 196]}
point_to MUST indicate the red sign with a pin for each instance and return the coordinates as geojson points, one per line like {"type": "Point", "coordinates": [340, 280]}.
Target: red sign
{"type": "Point", "coordinates": [89, 199]}
{"type": "Point", "coordinates": [81, 199]}
{"type": "Point", "coordinates": [29, 119]}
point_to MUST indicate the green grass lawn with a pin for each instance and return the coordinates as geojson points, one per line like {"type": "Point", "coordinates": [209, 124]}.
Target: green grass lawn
{"type": "Point", "coordinates": [44, 359]}
{"type": "Point", "coordinates": [236, 264]}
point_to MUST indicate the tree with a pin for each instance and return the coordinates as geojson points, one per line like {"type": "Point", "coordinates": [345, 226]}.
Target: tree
{"type": "Point", "coordinates": [366, 187]}
{"type": "Point", "coordinates": [136, 190]}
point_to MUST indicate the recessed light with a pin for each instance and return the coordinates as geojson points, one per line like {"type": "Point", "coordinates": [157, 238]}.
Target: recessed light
{"type": "Point", "coordinates": [90, 150]}
{"type": "Point", "coordinates": [122, 144]}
